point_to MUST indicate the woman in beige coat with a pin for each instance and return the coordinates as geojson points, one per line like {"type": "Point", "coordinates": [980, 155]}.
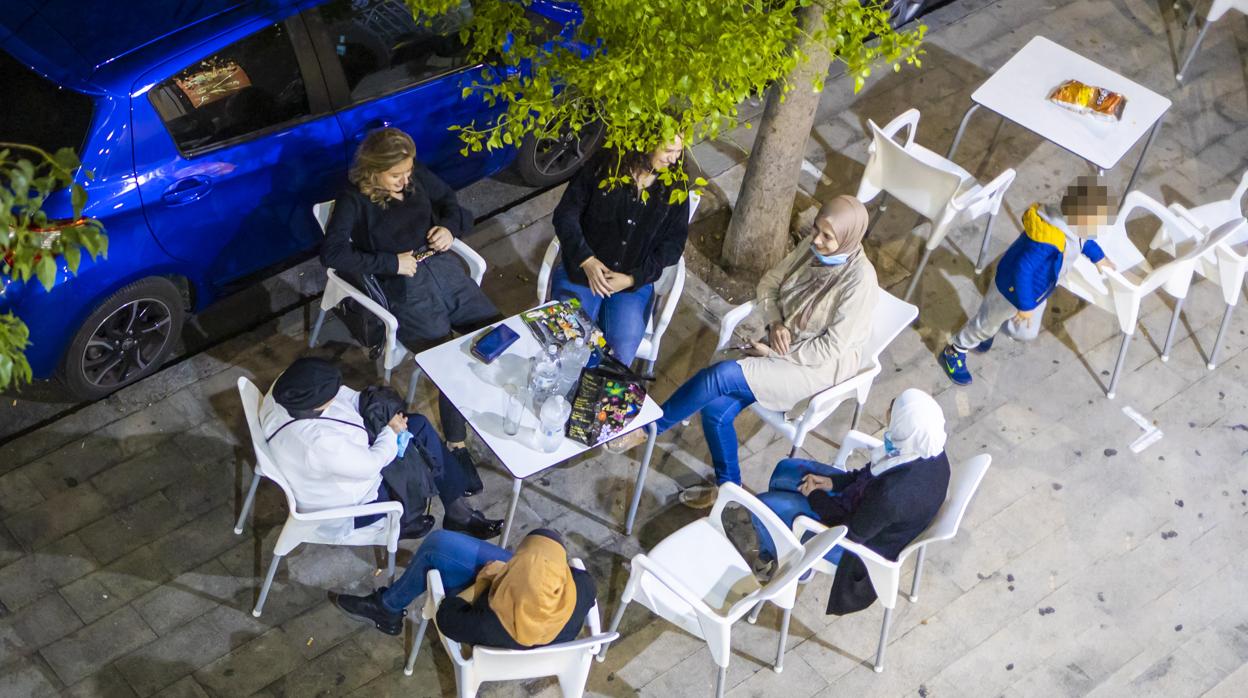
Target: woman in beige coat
{"type": "Point", "coordinates": [816, 305]}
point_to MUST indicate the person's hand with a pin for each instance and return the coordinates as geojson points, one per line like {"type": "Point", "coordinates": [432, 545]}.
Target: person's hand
{"type": "Point", "coordinates": [779, 337]}
{"type": "Point", "coordinates": [398, 423]}
{"type": "Point", "coordinates": [1023, 318]}
{"type": "Point", "coordinates": [811, 483]}
{"type": "Point", "coordinates": [597, 272]}
{"type": "Point", "coordinates": [1105, 264]}
{"type": "Point", "coordinates": [440, 238]}
{"type": "Point", "coordinates": [407, 263]}
{"type": "Point", "coordinates": [618, 282]}
{"type": "Point", "coordinates": [757, 349]}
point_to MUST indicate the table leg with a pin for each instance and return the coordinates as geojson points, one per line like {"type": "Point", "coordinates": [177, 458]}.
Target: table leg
{"type": "Point", "coordinates": [957, 137]}
{"type": "Point", "coordinates": [653, 429]}
{"type": "Point", "coordinates": [1143, 153]}
{"type": "Point", "coordinates": [511, 510]}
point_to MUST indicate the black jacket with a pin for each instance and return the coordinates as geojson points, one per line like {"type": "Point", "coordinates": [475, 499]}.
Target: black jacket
{"type": "Point", "coordinates": [364, 238]}
{"type": "Point", "coordinates": [476, 624]}
{"type": "Point", "coordinates": [614, 225]}
{"type": "Point", "coordinates": [891, 511]}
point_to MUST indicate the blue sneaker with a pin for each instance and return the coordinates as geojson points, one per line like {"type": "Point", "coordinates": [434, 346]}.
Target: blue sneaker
{"type": "Point", "coordinates": [954, 363]}
{"type": "Point", "coordinates": [984, 346]}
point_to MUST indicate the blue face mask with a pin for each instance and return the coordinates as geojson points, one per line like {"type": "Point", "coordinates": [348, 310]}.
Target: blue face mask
{"type": "Point", "coordinates": [834, 260]}
{"type": "Point", "coordinates": [405, 438]}
{"type": "Point", "coordinates": [889, 448]}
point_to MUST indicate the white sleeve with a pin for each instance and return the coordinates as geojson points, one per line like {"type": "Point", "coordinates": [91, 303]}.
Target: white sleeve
{"type": "Point", "coordinates": [341, 456]}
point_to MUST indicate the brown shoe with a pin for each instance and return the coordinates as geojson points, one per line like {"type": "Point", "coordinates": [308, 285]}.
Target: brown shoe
{"type": "Point", "coordinates": [627, 442]}
{"type": "Point", "coordinates": [700, 496]}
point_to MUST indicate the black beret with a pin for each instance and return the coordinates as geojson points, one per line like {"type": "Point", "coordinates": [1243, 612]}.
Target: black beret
{"type": "Point", "coordinates": [306, 385]}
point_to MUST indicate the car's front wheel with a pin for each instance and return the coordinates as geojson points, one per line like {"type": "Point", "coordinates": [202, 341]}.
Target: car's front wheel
{"type": "Point", "coordinates": [128, 337]}
{"type": "Point", "coordinates": [549, 161]}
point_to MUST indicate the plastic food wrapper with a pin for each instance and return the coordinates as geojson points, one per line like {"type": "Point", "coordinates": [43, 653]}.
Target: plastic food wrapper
{"type": "Point", "coordinates": [1097, 102]}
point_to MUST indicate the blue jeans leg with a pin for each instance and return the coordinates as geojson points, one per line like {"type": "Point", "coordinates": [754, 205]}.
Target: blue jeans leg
{"type": "Point", "coordinates": [784, 498]}
{"type": "Point", "coordinates": [622, 317]}
{"type": "Point", "coordinates": [456, 556]}
{"type": "Point", "coordinates": [720, 392]}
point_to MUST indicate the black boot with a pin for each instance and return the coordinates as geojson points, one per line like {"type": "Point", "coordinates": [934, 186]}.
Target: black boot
{"type": "Point", "coordinates": [472, 479]}
{"type": "Point", "coordinates": [418, 527]}
{"type": "Point", "coordinates": [476, 526]}
{"type": "Point", "coordinates": [369, 608]}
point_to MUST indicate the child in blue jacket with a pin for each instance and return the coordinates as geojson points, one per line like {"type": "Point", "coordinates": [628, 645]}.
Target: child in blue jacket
{"type": "Point", "coordinates": [1029, 271]}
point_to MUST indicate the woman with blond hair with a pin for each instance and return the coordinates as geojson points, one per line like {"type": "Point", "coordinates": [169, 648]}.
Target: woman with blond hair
{"type": "Point", "coordinates": [395, 210]}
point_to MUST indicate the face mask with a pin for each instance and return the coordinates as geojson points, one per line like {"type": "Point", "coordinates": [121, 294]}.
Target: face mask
{"type": "Point", "coordinates": [834, 260]}
{"type": "Point", "coordinates": [405, 437]}
{"type": "Point", "coordinates": [889, 447]}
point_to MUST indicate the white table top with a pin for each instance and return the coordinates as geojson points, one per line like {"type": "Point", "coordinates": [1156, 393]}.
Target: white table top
{"type": "Point", "coordinates": [479, 391]}
{"type": "Point", "coordinates": [1019, 91]}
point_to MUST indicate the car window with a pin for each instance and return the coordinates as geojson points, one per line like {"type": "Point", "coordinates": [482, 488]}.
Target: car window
{"type": "Point", "coordinates": [45, 115]}
{"type": "Point", "coordinates": [383, 48]}
{"type": "Point", "coordinates": [248, 87]}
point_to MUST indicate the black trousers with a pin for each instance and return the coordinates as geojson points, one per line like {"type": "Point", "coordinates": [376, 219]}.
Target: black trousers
{"type": "Point", "coordinates": [438, 300]}
{"type": "Point", "coordinates": [400, 484]}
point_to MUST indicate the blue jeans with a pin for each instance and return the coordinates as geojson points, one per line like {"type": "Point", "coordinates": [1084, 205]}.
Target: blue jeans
{"type": "Point", "coordinates": [720, 393]}
{"type": "Point", "coordinates": [782, 496]}
{"type": "Point", "coordinates": [456, 556]}
{"type": "Point", "coordinates": [622, 316]}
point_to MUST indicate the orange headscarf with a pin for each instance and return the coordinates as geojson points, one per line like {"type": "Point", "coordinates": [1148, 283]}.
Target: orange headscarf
{"type": "Point", "coordinates": [533, 594]}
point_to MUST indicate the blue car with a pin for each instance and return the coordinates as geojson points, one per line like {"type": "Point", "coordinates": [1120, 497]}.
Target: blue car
{"type": "Point", "coordinates": [212, 128]}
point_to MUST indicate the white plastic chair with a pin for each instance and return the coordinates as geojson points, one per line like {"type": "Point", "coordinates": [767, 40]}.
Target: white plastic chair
{"type": "Point", "coordinates": [1121, 290]}
{"type": "Point", "coordinates": [885, 574]}
{"type": "Point", "coordinates": [667, 292]}
{"type": "Point", "coordinates": [338, 290]}
{"type": "Point", "coordinates": [930, 184]}
{"type": "Point", "coordinates": [696, 579]}
{"type": "Point", "coordinates": [890, 317]}
{"type": "Point", "coordinates": [569, 661]}
{"type": "Point", "coordinates": [1228, 264]}
{"type": "Point", "coordinates": [1216, 11]}
{"type": "Point", "coordinates": [328, 526]}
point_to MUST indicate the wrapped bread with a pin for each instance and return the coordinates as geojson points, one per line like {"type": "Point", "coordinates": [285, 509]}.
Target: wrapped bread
{"type": "Point", "coordinates": [1098, 102]}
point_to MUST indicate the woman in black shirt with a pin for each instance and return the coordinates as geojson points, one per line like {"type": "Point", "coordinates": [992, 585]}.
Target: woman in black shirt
{"type": "Point", "coordinates": [397, 210]}
{"type": "Point", "coordinates": [616, 242]}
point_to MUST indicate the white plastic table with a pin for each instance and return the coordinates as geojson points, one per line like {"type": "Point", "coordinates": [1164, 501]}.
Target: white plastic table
{"type": "Point", "coordinates": [478, 390]}
{"type": "Point", "coordinates": [1020, 90]}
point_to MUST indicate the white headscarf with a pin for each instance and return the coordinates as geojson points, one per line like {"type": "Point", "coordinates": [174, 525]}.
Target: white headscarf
{"type": "Point", "coordinates": [916, 430]}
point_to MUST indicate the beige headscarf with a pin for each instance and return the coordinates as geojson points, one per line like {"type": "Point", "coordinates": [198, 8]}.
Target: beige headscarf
{"type": "Point", "coordinates": [806, 283]}
{"type": "Point", "coordinates": [533, 594]}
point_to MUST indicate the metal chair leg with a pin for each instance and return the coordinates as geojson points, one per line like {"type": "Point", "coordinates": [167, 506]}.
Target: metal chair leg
{"type": "Point", "coordinates": [918, 574]}
{"type": "Point", "coordinates": [416, 643]}
{"type": "Point", "coordinates": [316, 329]}
{"type": "Point", "coordinates": [268, 582]}
{"type": "Point", "coordinates": [1122, 359]}
{"type": "Point", "coordinates": [918, 271]}
{"type": "Point", "coordinates": [1174, 325]}
{"type": "Point", "coordinates": [879, 652]}
{"type": "Point", "coordinates": [1217, 343]}
{"type": "Point", "coordinates": [1191, 53]}
{"type": "Point", "coordinates": [247, 502]}
{"type": "Point", "coordinates": [615, 625]}
{"type": "Point", "coordinates": [390, 565]}
{"type": "Point", "coordinates": [720, 680]}
{"type": "Point", "coordinates": [784, 637]}
{"type": "Point", "coordinates": [753, 617]}
{"type": "Point", "coordinates": [983, 246]}
{"type": "Point", "coordinates": [412, 383]}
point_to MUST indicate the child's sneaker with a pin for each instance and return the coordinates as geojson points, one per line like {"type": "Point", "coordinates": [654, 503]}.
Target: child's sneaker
{"type": "Point", "coordinates": [954, 363]}
{"type": "Point", "coordinates": [984, 346]}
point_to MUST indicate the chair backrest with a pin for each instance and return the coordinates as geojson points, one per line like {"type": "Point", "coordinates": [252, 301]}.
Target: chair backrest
{"type": "Point", "coordinates": [813, 550]}
{"type": "Point", "coordinates": [890, 317]}
{"type": "Point", "coordinates": [322, 212]}
{"type": "Point", "coordinates": [1221, 7]}
{"type": "Point", "coordinates": [922, 186]}
{"type": "Point", "coordinates": [251, 398]}
{"type": "Point", "coordinates": [1175, 276]}
{"type": "Point", "coordinates": [964, 480]}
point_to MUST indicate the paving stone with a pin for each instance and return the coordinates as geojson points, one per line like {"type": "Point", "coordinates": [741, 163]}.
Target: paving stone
{"type": "Point", "coordinates": [17, 493]}
{"type": "Point", "coordinates": [252, 666]}
{"type": "Point", "coordinates": [88, 650]}
{"type": "Point", "coordinates": [37, 573]}
{"type": "Point", "coordinates": [190, 595]}
{"type": "Point", "coordinates": [107, 683]}
{"type": "Point", "coordinates": [116, 585]}
{"type": "Point", "coordinates": [130, 527]}
{"type": "Point", "coordinates": [339, 671]}
{"type": "Point", "coordinates": [187, 687]}
{"type": "Point", "coordinates": [26, 678]}
{"type": "Point", "coordinates": [58, 516]}
{"type": "Point", "coordinates": [45, 620]}
{"type": "Point", "coordinates": [198, 541]}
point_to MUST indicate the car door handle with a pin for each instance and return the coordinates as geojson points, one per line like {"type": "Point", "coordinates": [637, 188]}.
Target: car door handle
{"type": "Point", "coordinates": [186, 190]}
{"type": "Point", "coordinates": [372, 126]}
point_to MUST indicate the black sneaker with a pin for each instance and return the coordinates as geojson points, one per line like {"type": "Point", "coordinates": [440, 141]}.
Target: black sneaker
{"type": "Point", "coordinates": [476, 526]}
{"type": "Point", "coordinates": [418, 528]}
{"type": "Point", "coordinates": [369, 608]}
{"type": "Point", "coordinates": [471, 477]}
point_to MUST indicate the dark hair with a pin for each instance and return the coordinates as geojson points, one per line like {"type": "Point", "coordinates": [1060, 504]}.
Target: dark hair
{"type": "Point", "coordinates": [1088, 195]}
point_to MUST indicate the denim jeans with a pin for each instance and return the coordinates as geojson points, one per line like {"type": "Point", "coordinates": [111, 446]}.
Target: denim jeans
{"type": "Point", "coordinates": [622, 316]}
{"type": "Point", "coordinates": [782, 496]}
{"type": "Point", "coordinates": [720, 393]}
{"type": "Point", "coordinates": [456, 556]}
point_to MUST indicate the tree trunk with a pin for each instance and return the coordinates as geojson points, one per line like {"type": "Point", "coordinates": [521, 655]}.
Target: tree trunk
{"type": "Point", "coordinates": [758, 232]}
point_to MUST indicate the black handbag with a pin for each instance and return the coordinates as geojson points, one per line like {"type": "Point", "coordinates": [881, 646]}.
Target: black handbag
{"type": "Point", "coordinates": [365, 327]}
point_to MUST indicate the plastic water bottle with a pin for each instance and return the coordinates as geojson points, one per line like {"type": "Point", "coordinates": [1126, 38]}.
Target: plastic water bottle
{"type": "Point", "coordinates": [554, 415]}
{"type": "Point", "coordinates": [572, 358]}
{"type": "Point", "coordinates": [545, 378]}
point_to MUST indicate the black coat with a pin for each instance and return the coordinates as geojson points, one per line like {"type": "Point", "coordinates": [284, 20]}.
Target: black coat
{"type": "Point", "coordinates": [477, 624]}
{"type": "Point", "coordinates": [628, 235]}
{"type": "Point", "coordinates": [890, 512]}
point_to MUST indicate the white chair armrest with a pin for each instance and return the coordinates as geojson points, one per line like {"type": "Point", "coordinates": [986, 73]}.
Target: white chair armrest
{"type": "Point", "coordinates": [781, 536]}
{"type": "Point", "coordinates": [853, 441]}
{"type": "Point", "coordinates": [823, 403]}
{"type": "Point", "coordinates": [475, 262]}
{"type": "Point", "coordinates": [907, 119]}
{"type": "Point", "coordinates": [337, 288]}
{"type": "Point", "coordinates": [1194, 227]}
{"type": "Point", "coordinates": [670, 301]}
{"type": "Point", "coordinates": [986, 199]}
{"type": "Point", "coordinates": [729, 323]}
{"type": "Point", "coordinates": [543, 272]}
{"type": "Point", "coordinates": [673, 583]}
{"type": "Point", "coordinates": [354, 511]}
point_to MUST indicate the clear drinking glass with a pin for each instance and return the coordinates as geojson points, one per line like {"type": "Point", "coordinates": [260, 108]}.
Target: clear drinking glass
{"type": "Point", "coordinates": [517, 399]}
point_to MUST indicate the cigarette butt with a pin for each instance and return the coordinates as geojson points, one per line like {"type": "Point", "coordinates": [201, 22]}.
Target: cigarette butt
{"type": "Point", "coordinates": [310, 641]}
{"type": "Point", "coordinates": [377, 572]}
